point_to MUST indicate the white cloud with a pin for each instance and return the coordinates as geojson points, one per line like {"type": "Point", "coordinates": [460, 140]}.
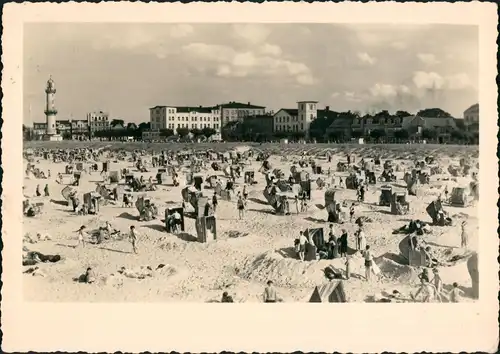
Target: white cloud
{"type": "Point", "coordinates": [365, 58]}
{"type": "Point", "coordinates": [432, 80]}
{"type": "Point", "coordinates": [230, 63]}
{"type": "Point", "coordinates": [428, 80]}
{"type": "Point", "coordinates": [181, 30]}
{"type": "Point", "coordinates": [351, 96]}
{"type": "Point", "coordinates": [459, 81]}
{"type": "Point", "coordinates": [252, 33]}
{"type": "Point", "coordinates": [388, 91]}
{"type": "Point", "coordinates": [427, 58]}
{"type": "Point", "coordinates": [270, 49]}
{"type": "Point", "coordinates": [335, 95]}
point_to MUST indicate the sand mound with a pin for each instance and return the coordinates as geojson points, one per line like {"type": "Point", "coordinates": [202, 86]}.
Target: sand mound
{"type": "Point", "coordinates": [395, 271]}
{"type": "Point", "coordinates": [284, 272]}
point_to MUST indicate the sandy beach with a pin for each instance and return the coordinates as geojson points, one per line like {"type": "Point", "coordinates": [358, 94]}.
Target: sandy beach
{"type": "Point", "coordinates": [247, 252]}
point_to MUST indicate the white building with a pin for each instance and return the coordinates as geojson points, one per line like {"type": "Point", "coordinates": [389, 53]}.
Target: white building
{"type": "Point", "coordinates": [236, 111]}
{"type": "Point", "coordinates": [174, 117]}
{"type": "Point", "coordinates": [98, 121]}
{"type": "Point", "coordinates": [471, 114]}
{"type": "Point", "coordinates": [296, 120]}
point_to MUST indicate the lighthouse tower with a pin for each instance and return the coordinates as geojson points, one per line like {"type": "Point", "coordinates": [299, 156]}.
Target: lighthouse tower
{"type": "Point", "coordinates": [51, 111]}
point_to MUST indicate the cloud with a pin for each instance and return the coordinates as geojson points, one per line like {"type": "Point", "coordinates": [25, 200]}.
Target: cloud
{"type": "Point", "coordinates": [459, 81]}
{"type": "Point", "coordinates": [432, 80]}
{"type": "Point", "coordinates": [351, 96]}
{"type": "Point", "coordinates": [388, 91]}
{"type": "Point", "coordinates": [427, 58]}
{"type": "Point", "coordinates": [398, 45]}
{"type": "Point", "coordinates": [335, 95]}
{"type": "Point", "coordinates": [181, 30]}
{"type": "Point", "coordinates": [252, 33]}
{"type": "Point", "coordinates": [365, 58]}
{"type": "Point", "coordinates": [227, 62]}
{"type": "Point", "coordinates": [271, 49]}
{"type": "Point", "coordinates": [428, 80]}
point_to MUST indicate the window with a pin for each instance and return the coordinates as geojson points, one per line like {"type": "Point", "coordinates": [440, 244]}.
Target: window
{"type": "Point", "coordinates": [288, 119]}
{"type": "Point", "coordinates": [301, 126]}
{"type": "Point", "coordinates": [312, 116]}
{"type": "Point", "coordinates": [310, 106]}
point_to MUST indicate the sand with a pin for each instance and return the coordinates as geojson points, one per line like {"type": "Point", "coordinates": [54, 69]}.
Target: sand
{"type": "Point", "coordinates": [248, 252]}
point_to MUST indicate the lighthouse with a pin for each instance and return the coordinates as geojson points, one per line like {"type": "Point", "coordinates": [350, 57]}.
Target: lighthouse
{"type": "Point", "coordinates": [51, 112]}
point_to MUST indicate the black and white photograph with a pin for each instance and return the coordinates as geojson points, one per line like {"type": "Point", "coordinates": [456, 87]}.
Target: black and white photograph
{"type": "Point", "coordinates": [252, 162]}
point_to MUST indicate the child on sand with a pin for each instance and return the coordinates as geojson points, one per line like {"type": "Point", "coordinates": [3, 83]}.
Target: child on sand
{"type": "Point", "coordinates": [241, 207]}
{"type": "Point", "coordinates": [438, 284]}
{"type": "Point", "coordinates": [133, 238]}
{"type": "Point", "coordinates": [455, 293]}
{"type": "Point", "coordinates": [348, 268]}
{"type": "Point", "coordinates": [351, 212]}
{"type": "Point", "coordinates": [81, 239]}
{"type": "Point", "coordinates": [464, 235]}
{"type": "Point", "coordinates": [368, 263]}
{"type": "Point", "coordinates": [296, 200]}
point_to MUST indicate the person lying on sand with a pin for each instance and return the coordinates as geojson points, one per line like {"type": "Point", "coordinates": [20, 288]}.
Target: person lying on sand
{"type": "Point", "coordinates": [138, 273]}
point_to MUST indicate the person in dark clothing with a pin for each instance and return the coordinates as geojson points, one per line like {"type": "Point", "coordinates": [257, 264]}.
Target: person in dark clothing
{"type": "Point", "coordinates": [343, 243]}
{"type": "Point", "coordinates": [226, 297]}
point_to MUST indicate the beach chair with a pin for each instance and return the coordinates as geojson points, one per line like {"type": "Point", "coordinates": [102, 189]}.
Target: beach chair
{"type": "Point", "coordinates": [385, 196]}
{"type": "Point", "coordinates": [399, 205]}
{"type": "Point", "coordinates": [206, 228]}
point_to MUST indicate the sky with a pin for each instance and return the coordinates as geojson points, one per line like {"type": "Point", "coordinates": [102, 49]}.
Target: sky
{"type": "Point", "coordinates": [125, 69]}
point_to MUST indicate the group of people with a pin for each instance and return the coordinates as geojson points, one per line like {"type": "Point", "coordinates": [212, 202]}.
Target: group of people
{"type": "Point", "coordinates": [82, 237]}
{"type": "Point", "coordinates": [432, 289]}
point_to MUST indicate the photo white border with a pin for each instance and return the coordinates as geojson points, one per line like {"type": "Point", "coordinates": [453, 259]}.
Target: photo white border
{"type": "Point", "coordinates": [284, 327]}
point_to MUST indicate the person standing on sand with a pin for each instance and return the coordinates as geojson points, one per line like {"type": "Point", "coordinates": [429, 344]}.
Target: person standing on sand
{"type": "Point", "coordinates": [464, 235]}
{"type": "Point", "coordinates": [438, 284]}
{"type": "Point", "coordinates": [343, 243]}
{"type": "Point", "coordinates": [241, 207]}
{"type": "Point", "coordinates": [245, 193]}
{"type": "Point", "coordinates": [360, 239]}
{"type": "Point", "coordinates": [133, 238]}
{"type": "Point", "coordinates": [427, 290]}
{"type": "Point", "coordinates": [37, 192]}
{"type": "Point", "coordinates": [351, 212]}
{"type": "Point", "coordinates": [302, 246]}
{"type": "Point", "coordinates": [81, 238]}
{"type": "Point", "coordinates": [296, 200]}
{"type": "Point", "coordinates": [455, 293]}
{"type": "Point", "coordinates": [46, 190]}
{"type": "Point", "coordinates": [214, 202]}
{"type": "Point", "coordinates": [347, 268]}
{"type": "Point", "coordinates": [368, 263]}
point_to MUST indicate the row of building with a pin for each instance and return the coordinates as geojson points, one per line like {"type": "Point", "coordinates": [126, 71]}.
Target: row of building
{"type": "Point", "coordinates": [77, 128]}
{"type": "Point", "coordinates": [290, 120]}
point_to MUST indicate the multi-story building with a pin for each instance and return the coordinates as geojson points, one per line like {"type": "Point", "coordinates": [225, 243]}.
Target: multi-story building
{"type": "Point", "coordinates": [389, 124]}
{"type": "Point", "coordinates": [298, 120]}
{"type": "Point", "coordinates": [232, 111]}
{"type": "Point", "coordinates": [39, 130]}
{"type": "Point", "coordinates": [98, 121]}
{"type": "Point", "coordinates": [174, 117]}
{"type": "Point", "coordinates": [471, 117]}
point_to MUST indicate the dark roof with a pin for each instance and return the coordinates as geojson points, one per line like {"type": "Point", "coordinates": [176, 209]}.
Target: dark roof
{"type": "Point", "coordinates": [307, 101]}
{"type": "Point", "coordinates": [474, 106]}
{"type": "Point", "coordinates": [186, 109]}
{"type": "Point", "coordinates": [438, 122]}
{"type": "Point", "coordinates": [323, 113]}
{"type": "Point", "coordinates": [291, 111]}
{"type": "Point", "coordinates": [341, 122]}
{"type": "Point", "coordinates": [240, 105]}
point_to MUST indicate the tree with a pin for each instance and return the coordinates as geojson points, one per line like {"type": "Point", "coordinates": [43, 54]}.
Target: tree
{"type": "Point", "coordinates": [196, 132]}
{"type": "Point", "coordinates": [208, 132]}
{"type": "Point", "coordinates": [460, 124]}
{"type": "Point", "coordinates": [402, 114]}
{"type": "Point", "coordinates": [434, 113]}
{"type": "Point", "coordinates": [116, 122]}
{"type": "Point", "coordinates": [377, 134]}
{"type": "Point", "coordinates": [165, 133]}
{"type": "Point", "coordinates": [183, 132]}
{"type": "Point", "coordinates": [429, 134]}
{"type": "Point", "coordinates": [356, 134]}
{"type": "Point", "coordinates": [458, 135]}
{"type": "Point", "coordinates": [402, 134]}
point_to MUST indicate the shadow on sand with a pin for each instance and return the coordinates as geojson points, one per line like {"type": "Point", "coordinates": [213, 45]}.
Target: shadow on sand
{"type": "Point", "coordinates": [155, 227]}
{"type": "Point", "coordinates": [258, 201]}
{"type": "Point", "coordinates": [112, 250]}
{"type": "Point", "coordinates": [309, 218]}
{"type": "Point", "coordinates": [186, 237]}
{"type": "Point", "coordinates": [264, 211]}
{"type": "Point", "coordinates": [60, 202]}
{"type": "Point", "coordinates": [128, 216]}
{"type": "Point", "coordinates": [63, 245]}
{"type": "Point", "coordinates": [236, 234]}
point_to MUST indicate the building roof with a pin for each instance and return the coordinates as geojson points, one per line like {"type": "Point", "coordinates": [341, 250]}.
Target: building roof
{"type": "Point", "coordinates": [341, 122]}
{"type": "Point", "coordinates": [240, 105]}
{"type": "Point", "coordinates": [187, 109]}
{"type": "Point", "coordinates": [473, 107]}
{"type": "Point", "coordinates": [438, 122]}
{"type": "Point", "coordinates": [326, 113]}
{"type": "Point", "coordinates": [307, 101]}
{"type": "Point", "coordinates": [294, 112]}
